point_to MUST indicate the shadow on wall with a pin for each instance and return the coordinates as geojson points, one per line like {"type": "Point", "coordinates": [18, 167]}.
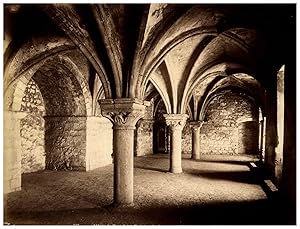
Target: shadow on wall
{"type": "Point", "coordinates": [248, 137]}
{"type": "Point", "coordinates": [160, 137]}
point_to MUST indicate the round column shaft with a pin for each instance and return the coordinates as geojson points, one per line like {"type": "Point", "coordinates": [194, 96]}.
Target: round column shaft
{"type": "Point", "coordinates": [123, 165]}
{"type": "Point", "coordinates": [196, 126]}
{"type": "Point", "coordinates": [176, 123]}
{"type": "Point", "coordinates": [124, 114]}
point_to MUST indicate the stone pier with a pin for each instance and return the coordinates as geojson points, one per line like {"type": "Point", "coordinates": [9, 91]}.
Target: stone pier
{"type": "Point", "coordinates": [12, 151]}
{"type": "Point", "coordinates": [124, 114]}
{"type": "Point", "coordinates": [176, 123]}
{"type": "Point", "coordinates": [196, 126]}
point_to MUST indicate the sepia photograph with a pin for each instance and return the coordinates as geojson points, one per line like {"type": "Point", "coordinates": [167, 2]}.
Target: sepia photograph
{"type": "Point", "coordinates": [149, 114]}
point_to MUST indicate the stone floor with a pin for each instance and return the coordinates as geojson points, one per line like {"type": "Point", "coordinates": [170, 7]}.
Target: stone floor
{"type": "Point", "coordinates": [213, 191]}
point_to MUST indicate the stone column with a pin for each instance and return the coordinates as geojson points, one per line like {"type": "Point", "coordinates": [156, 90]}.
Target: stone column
{"type": "Point", "coordinates": [196, 126]}
{"type": "Point", "coordinates": [12, 151]}
{"type": "Point", "coordinates": [124, 114]}
{"type": "Point", "coordinates": [176, 123]}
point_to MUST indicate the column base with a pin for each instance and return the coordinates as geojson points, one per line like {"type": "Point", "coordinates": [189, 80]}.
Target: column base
{"type": "Point", "coordinates": [114, 207]}
{"type": "Point", "coordinates": [195, 157]}
{"type": "Point", "coordinates": [120, 206]}
{"type": "Point", "coordinates": [175, 170]}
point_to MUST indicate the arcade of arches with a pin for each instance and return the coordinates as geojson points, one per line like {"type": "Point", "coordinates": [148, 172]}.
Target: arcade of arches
{"type": "Point", "coordinates": [94, 85]}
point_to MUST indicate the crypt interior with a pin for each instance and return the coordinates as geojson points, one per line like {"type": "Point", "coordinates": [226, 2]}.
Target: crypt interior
{"type": "Point", "coordinates": [149, 114]}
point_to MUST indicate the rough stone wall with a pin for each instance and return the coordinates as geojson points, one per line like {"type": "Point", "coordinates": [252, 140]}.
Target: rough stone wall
{"type": "Point", "coordinates": [65, 120]}
{"type": "Point", "coordinates": [61, 92]}
{"type": "Point", "coordinates": [223, 132]}
{"type": "Point", "coordinates": [32, 130]}
{"type": "Point", "coordinates": [144, 138]}
{"type": "Point", "coordinates": [280, 126]}
{"type": "Point", "coordinates": [187, 139]}
{"type": "Point", "coordinates": [65, 143]}
{"type": "Point", "coordinates": [12, 147]}
{"type": "Point", "coordinates": [99, 136]}
{"type": "Point", "coordinates": [144, 133]}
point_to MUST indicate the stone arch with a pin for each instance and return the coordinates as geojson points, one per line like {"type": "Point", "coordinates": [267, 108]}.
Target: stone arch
{"type": "Point", "coordinates": [17, 90]}
{"type": "Point", "coordinates": [19, 60]}
{"type": "Point", "coordinates": [219, 69]}
{"type": "Point", "coordinates": [193, 22]}
{"type": "Point", "coordinates": [141, 83]}
{"type": "Point", "coordinates": [252, 89]}
{"type": "Point", "coordinates": [243, 93]}
{"type": "Point", "coordinates": [164, 99]}
{"type": "Point", "coordinates": [71, 126]}
{"type": "Point", "coordinates": [98, 95]}
{"type": "Point", "coordinates": [231, 124]}
{"type": "Point", "coordinates": [64, 71]}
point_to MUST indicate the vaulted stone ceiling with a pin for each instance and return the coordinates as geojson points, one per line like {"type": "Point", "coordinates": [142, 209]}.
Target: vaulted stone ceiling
{"type": "Point", "coordinates": [176, 47]}
{"type": "Point", "coordinates": [239, 82]}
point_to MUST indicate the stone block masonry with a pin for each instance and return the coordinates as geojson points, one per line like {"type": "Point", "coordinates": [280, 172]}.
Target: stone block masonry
{"type": "Point", "coordinates": [230, 127]}
{"type": "Point", "coordinates": [144, 137]}
{"type": "Point", "coordinates": [12, 148]}
{"type": "Point", "coordinates": [187, 139]}
{"type": "Point", "coordinates": [32, 129]}
{"type": "Point", "coordinates": [78, 143]}
{"type": "Point", "coordinates": [144, 133]}
{"type": "Point", "coordinates": [65, 143]}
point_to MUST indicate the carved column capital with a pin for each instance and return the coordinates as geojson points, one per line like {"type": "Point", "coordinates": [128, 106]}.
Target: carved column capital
{"type": "Point", "coordinates": [123, 113]}
{"type": "Point", "coordinates": [196, 125]}
{"type": "Point", "coordinates": [175, 121]}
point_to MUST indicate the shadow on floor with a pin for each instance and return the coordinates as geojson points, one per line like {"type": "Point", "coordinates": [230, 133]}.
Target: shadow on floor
{"type": "Point", "coordinates": [236, 176]}
{"type": "Point", "coordinates": [261, 212]}
{"type": "Point", "coordinates": [88, 187]}
{"type": "Point", "coordinates": [224, 161]}
{"type": "Point", "coordinates": [150, 168]}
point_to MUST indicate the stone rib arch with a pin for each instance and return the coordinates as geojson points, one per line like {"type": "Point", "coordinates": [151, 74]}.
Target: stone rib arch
{"type": "Point", "coordinates": [17, 90]}
{"type": "Point", "coordinates": [148, 69]}
{"type": "Point", "coordinates": [233, 45]}
{"type": "Point", "coordinates": [165, 100]}
{"type": "Point", "coordinates": [189, 112]}
{"type": "Point", "coordinates": [207, 101]}
{"type": "Point", "coordinates": [200, 98]}
{"type": "Point", "coordinates": [98, 95]}
{"type": "Point", "coordinates": [252, 88]}
{"type": "Point", "coordinates": [60, 14]}
{"type": "Point", "coordinates": [229, 35]}
{"type": "Point", "coordinates": [19, 60]}
{"type": "Point", "coordinates": [197, 19]}
{"type": "Point", "coordinates": [156, 107]}
{"type": "Point", "coordinates": [219, 68]}
{"type": "Point", "coordinates": [234, 35]}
